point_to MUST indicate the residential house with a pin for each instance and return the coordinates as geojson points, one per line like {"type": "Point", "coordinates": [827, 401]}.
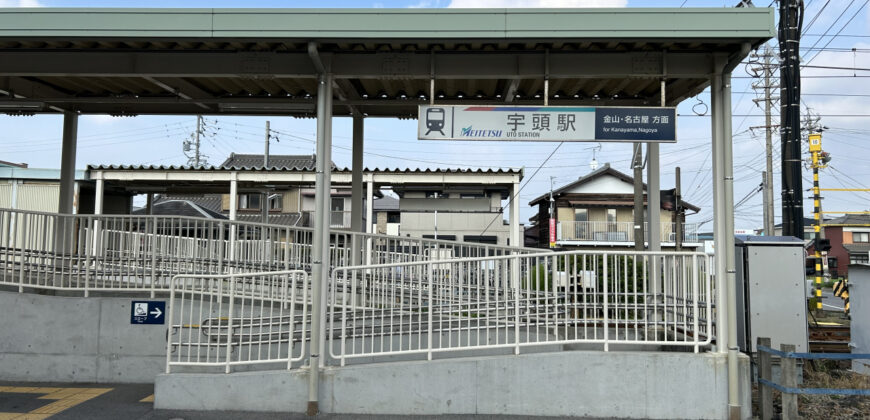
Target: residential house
{"type": "Point", "coordinates": [471, 212]}
{"type": "Point", "coordinates": [287, 205]}
{"type": "Point", "coordinates": [457, 204]}
{"type": "Point", "coordinates": [850, 242]}
{"type": "Point", "coordinates": [387, 217]}
{"type": "Point", "coordinates": [38, 189]}
{"type": "Point", "coordinates": [598, 210]}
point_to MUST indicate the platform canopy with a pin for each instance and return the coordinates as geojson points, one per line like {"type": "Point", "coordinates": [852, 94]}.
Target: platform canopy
{"type": "Point", "coordinates": [384, 62]}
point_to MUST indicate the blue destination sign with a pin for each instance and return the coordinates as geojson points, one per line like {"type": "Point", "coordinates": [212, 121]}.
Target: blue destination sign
{"type": "Point", "coordinates": [636, 124]}
{"type": "Point", "coordinates": [547, 123]}
{"type": "Point", "coordinates": [147, 312]}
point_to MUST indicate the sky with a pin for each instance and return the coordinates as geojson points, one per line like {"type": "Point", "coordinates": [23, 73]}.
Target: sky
{"type": "Point", "coordinates": [835, 47]}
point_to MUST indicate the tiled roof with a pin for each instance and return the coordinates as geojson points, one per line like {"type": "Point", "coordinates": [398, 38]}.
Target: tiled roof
{"type": "Point", "coordinates": [850, 219]}
{"type": "Point", "coordinates": [246, 161]}
{"type": "Point", "coordinates": [343, 170]}
{"type": "Point", "coordinates": [180, 208]}
{"type": "Point", "coordinates": [857, 248]}
{"type": "Point", "coordinates": [386, 203]}
{"type": "Point", "coordinates": [210, 202]}
{"type": "Point", "coordinates": [286, 219]}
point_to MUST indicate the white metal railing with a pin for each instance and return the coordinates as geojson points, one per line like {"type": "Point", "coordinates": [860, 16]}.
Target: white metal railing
{"type": "Point", "coordinates": [619, 231]}
{"type": "Point", "coordinates": [142, 253]}
{"type": "Point", "coordinates": [237, 319]}
{"type": "Point", "coordinates": [518, 301]}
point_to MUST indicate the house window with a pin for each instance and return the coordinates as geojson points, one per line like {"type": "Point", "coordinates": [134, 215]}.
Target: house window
{"type": "Point", "coordinates": [859, 258]}
{"type": "Point", "coordinates": [860, 237]}
{"type": "Point", "coordinates": [338, 215]}
{"type": "Point", "coordinates": [581, 216]}
{"type": "Point", "coordinates": [611, 220]}
{"type": "Point", "coordinates": [249, 201]}
{"type": "Point", "coordinates": [471, 196]}
{"type": "Point", "coordinates": [276, 202]}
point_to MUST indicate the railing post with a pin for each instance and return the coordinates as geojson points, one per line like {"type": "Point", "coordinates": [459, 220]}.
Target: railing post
{"type": "Point", "coordinates": [789, 380]}
{"type": "Point", "coordinates": [605, 297]}
{"type": "Point", "coordinates": [169, 315]}
{"type": "Point", "coordinates": [232, 282]}
{"type": "Point", "coordinates": [515, 276]}
{"type": "Point", "coordinates": [431, 308]}
{"type": "Point", "coordinates": [765, 394]}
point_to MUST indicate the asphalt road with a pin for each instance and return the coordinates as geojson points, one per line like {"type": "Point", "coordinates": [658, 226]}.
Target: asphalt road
{"type": "Point", "coordinates": [62, 401]}
{"type": "Point", "coordinates": [831, 302]}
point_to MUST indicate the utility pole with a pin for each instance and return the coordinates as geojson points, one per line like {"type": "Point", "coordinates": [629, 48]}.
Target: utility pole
{"type": "Point", "coordinates": [198, 131]}
{"type": "Point", "coordinates": [552, 231]}
{"type": "Point", "coordinates": [264, 200]}
{"type": "Point", "coordinates": [198, 159]}
{"type": "Point", "coordinates": [767, 87]}
{"type": "Point", "coordinates": [768, 129]}
{"type": "Point", "coordinates": [637, 164]}
{"type": "Point", "coordinates": [790, 20]}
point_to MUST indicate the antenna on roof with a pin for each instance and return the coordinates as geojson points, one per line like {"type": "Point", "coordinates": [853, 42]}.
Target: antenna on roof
{"type": "Point", "coordinates": [593, 164]}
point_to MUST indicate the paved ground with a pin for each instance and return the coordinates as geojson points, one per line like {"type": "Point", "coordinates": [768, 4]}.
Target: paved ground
{"type": "Point", "coordinates": [831, 302]}
{"type": "Point", "coordinates": [60, 401]}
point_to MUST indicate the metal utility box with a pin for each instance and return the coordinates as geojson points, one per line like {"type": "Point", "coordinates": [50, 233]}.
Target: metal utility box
{"type": "Point", "coordinates": [771, 291]}
{"type": "Point", "coordinates": [859, 311]}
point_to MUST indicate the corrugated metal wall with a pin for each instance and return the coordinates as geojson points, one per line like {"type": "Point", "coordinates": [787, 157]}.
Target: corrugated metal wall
{"type": "Point", "coordinates": [6, 195]}
{"type": "Point", "coordinates": [38, 197]}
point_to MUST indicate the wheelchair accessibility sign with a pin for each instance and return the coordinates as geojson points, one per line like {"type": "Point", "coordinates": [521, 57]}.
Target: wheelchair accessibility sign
{"type": "Point", "coordinates": [147, 312]}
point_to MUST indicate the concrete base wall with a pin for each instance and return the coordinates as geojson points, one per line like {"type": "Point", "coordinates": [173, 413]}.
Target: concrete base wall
{"type": "Point", "coordinates": [652, 385]}
{"type": "Point", "coordinates": [75, 339]}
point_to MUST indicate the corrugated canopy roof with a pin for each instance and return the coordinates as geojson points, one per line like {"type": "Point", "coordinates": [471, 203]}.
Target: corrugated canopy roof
{"type": "Point", "coordinates": [264, 61]}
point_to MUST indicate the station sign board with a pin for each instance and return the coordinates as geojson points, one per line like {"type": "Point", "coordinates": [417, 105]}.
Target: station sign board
{"type": "Point", "coordinates": [547, 123]}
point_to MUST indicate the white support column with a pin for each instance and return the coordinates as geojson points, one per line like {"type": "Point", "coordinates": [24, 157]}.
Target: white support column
{"type": "Point", "coordinates": [320, 242]}
{"type": "Point", "coordinates": [234, 204]}
{"type": "Point", "coordinates": [719, 210]}
{"type": "Point", "coordinates": [370, 203]}
{"type": "Point", "coordinates": [730, 269]}
{"type": "Point", "coordinates": [516, 237]}
{"type": "Point", "coordinates": [234, 195]}
{"type": "Point", "coordinates": [68, 162]}
{"type": "Point", "coordinates": [653, 193]}
{"type": "Point", "coordinates": [99, 192]}
{"type": "Point", "coordinates": [98, 195]}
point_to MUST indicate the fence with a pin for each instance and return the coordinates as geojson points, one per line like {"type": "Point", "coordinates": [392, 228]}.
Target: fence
{"type": "Point", "coordinates": [591, 231]}
{"type": "Point", "coordinates": [142, 253]}
{"type": "Point", "coordinates": [237, 319]}
{"type": "Point", "coordinates": [520, 301]}
{"type": "Point", "coordinates": [789, 387]}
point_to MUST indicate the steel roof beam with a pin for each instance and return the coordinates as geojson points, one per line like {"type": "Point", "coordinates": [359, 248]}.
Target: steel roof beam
{"type": "Point", "coordinates": [193, 92]}
{"type": "Point", "coordinates": [348, 65]}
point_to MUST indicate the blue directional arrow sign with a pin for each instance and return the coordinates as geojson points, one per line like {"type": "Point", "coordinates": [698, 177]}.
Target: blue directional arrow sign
{"type": "Point", "coordinates": [147, 312]}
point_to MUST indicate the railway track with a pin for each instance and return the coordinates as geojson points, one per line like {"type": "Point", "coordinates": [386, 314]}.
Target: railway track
{"type": "Point", "coordinates": [829, 339]}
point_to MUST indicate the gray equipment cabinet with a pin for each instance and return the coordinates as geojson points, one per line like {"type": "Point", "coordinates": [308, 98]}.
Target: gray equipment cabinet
{"type": "Point", "coordinates": [771, 291]}
{"type": "Point", "coordinates": [859, 310]}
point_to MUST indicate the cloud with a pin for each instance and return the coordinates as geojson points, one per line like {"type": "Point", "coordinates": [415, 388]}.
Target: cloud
{"type": "Point", "coordinates": [20, 3]}
{"type": "Point", "coordinates": [535, 3]}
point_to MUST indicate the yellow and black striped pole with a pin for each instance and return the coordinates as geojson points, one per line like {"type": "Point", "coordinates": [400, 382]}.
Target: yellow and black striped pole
{"type": "Point", "coordinates": [815, 149]}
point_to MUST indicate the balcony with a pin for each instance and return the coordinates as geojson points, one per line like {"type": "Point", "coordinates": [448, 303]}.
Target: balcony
{"type": "Point", "coordinates": [617, 233]}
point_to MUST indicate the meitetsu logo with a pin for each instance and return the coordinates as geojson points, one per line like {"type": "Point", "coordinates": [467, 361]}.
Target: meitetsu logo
{"type": "Point", "coordinates": [471, 132]}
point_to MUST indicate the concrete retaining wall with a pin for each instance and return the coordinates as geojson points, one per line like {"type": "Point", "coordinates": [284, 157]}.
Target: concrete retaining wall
{"type": "Point", "coordinates": [74, 339]}
{"type": "Point", "coordinates": [653, 385]}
